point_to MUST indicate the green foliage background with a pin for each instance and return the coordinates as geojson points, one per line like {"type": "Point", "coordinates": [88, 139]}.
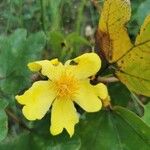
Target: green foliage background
{"type": "Point", "coordinates": [42, 29]}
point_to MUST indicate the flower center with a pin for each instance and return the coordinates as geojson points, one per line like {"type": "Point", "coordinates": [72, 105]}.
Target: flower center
{"type": "Point", "coordinates": [66, 86]}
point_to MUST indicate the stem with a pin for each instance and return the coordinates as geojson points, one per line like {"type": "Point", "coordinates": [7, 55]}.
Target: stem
{"type": "Point", "coordinates": [107, 80]}
{"type": "Point", "coordinates": [16, 119]}
{"type": "Point", "coordinates": [43, 15]}
{"type": "Point", "coordinates": [137, 103]}
{"type": "Point", "coordinates": [9, 17]}
{"type": "Point", "coordinates": [92, 18]}
{"type": "Point", "coordinates": [21, 15]}
{"type": "Point", "coordinates": [80, 15]}
{"type": "Point", "coordinates": [137, 99]}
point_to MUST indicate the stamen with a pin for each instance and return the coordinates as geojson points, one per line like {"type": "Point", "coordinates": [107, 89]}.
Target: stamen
{"type": "Point", "coordinates": [66, 86]}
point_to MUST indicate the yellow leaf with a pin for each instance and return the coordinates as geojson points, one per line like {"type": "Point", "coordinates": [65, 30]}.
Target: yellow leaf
{"type": "Point", "coordinates": [134, 67]}
{"type": "Point", "coordinates": [112, 33]}
{"type": "Point", "coordinates": [132, 60]}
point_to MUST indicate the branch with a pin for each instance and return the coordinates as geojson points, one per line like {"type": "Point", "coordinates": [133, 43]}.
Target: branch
{"type": "Point", "coordinates": [43, 15]}
{"type": "Point", "coordinates": [107, 79]}
{"type": "Point", "coordinates": [16, 119]}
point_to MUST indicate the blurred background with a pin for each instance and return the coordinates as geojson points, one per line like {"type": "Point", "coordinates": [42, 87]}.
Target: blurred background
{"type": "Point", "coordinates": [73, 23]}
{"type": "Point", "coordinates": [43, 29]}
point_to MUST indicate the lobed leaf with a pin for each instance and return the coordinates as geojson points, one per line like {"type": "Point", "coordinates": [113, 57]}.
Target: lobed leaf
{"type": "Point", "coordinates": [16, 51]}
{"type": "Point", "coordinates": [112, 33]}
{"type": "Point", "coordinates": [132, 61]}
{"type": "Point", "coordinates": [134, 67]}
{"type": "Point", "coordinates": [35, 141]}
{"type": "Point", "coordinates": [119, 129]}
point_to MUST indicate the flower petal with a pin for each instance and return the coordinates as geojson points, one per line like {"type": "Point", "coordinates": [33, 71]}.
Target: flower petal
{"type": "Point", "coordinates": [64, 115]}
{"type": "Point", "coordinates": [85, 65]}
{"type": "Point", "coordinates": [37, 65]}
{"type": "Point", "coordinates": [87, 97]}
{"type": "Point", "coordinates": [101, 90]}
{"type": "Point", "coordinates": [37, 100]}
{"type": "Point", "coordinates": [51, 69]}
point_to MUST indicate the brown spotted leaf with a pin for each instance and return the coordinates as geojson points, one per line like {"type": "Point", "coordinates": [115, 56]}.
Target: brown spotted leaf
{"type": "Point", "coordinates": [133, 61]}
{"type": "Point", "coordinates": [112, 33]}
{"type": "Point", "coordinates": [134, 66]}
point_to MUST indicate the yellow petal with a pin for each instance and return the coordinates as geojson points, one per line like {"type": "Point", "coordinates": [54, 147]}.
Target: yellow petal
{"type": "Point", "coordinates": [87, 97]}
{"type": "Point", "coordinates": [37, 100]}
{"type": "Point", "coordinates": [101, 90]}
{"type": "Point", "coordinates": [51, 69]}
{"type": "Point", "coordinates": [85, 65]}
{"type": "Point", "coordinates": [37, 65]}
{"type": "Point", "coordinates": [64, 115]}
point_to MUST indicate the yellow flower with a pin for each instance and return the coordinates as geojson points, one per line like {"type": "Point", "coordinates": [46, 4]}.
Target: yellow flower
{"type": "Point", "coordinates": [67, 84]}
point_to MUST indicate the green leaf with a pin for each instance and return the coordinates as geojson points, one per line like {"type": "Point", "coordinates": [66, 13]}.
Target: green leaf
{"type": "Point", "coordinates": [36, 142]}
{"type": "Point", "coordinates": [55, 40]}
{"type": "Point", "coordinates": [146, 116]}
{"type": "Point", "coordinates": [119, 129]}
{"type": "Point", "coordinates": [3, 120]}
{"type": "Point", "coordinates": [9, 47]}
{"type": "Point", "coordinates": [76, 42]}
{"type": "Point", "coordinates": [16, 51]}
{"type": "Point", "coordinates": [75, 38]}
{"type": "Point", "coordinates": [39, 138]}
{"type": "Point", "coordinates": [66, 46]}
{"type": "Point", "coordinates": [35, 44]}
{"type": "Point", "coordinates": [122, 98]}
